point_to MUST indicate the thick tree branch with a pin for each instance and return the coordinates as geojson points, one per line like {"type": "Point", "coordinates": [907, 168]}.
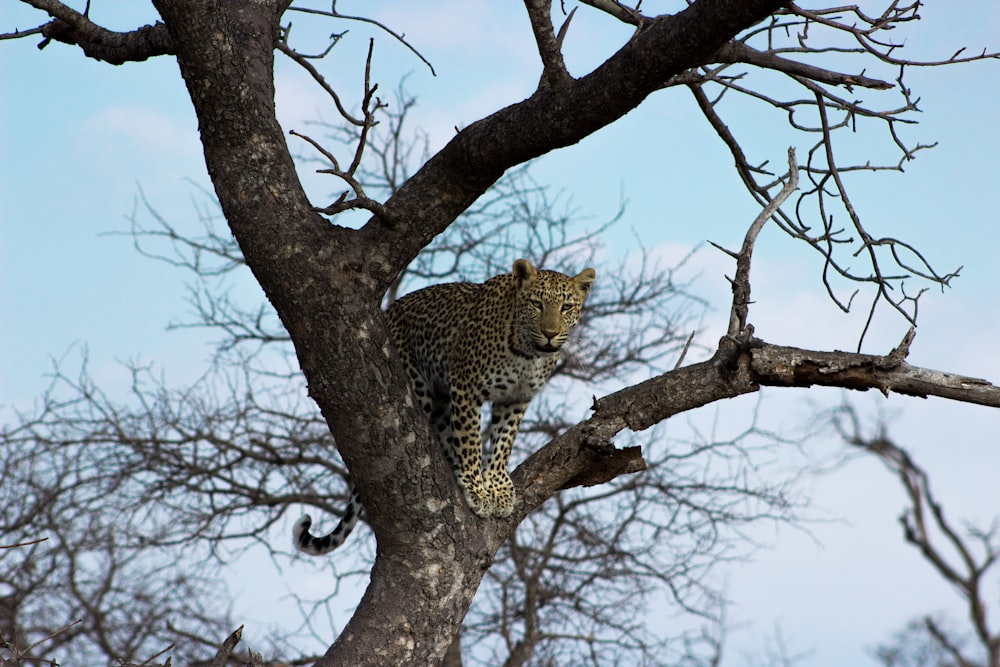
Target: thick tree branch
{"type": "Point", "coordinates": [556, 117]}
{"type": "Point", "coordinates": [71, 27]}
{"type": "Point", "coordinates": [583, 451]}
{"type": "Point", "coordinates": [791, 367]}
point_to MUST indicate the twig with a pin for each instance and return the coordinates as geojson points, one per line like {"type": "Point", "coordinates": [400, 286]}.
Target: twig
{"type": "Point", "coordinates": [222, 657]}
{"type": "Point", "coordinates": [370, 106]}
{"type": "Point", "coordinates": [23, 544]}
{"type": "Point", "coordinates": [285, 48]}
{"type": "Point", "coordinates": [51, 635]}
{"type": "Point", "coordinates": [333, 13]}
{"type": "Point", "coordinates": [738, 51]}
{"type": "Point", "coordinates": [154, 657]}
{"type": "Point", "coordinates": [687, 346]}
{"type": "Point", "coordinates": [786, 44]}
{"type": "Point", "coordinates": [741, 280]}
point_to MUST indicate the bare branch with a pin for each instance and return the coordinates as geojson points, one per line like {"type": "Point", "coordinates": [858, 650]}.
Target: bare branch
{"type": "Point", "coordinates": [741, 280]}
{"type": "Point", "coordinates": [222, 657]}
{"type": "Point", "coordinates": [333, 13]}
{"type": "Point", "coordinates": [303, 61]}
{"type": "Point", "coordinates": [960, 559]}
{"type": "Point", "coordinates": [799, 33]}
{"type": "Point", "coordinates": [740, 52]}
{"type": "Point", "coordinates": [370, 106]}
{"type": "Point", "coordinates": [554, 71]}
{"type": "Point", "coordinates": [622, 12]}
{"type": "Point", "coordinates": [72, 27]}
{"type": "Point", "coordinates": [866, 31]}
{"type": "Point", "coordinates": [788, 367]}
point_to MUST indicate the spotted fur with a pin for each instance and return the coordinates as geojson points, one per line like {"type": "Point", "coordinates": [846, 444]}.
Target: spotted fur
{"type": "Point", "coordinates": [464, 345]}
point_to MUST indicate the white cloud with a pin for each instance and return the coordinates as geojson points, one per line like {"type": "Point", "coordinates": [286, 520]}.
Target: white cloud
{"type": "Point", "coordinates": [469, 27]}
{"type": "Point", "coordinates": [300, 101]}
{"type": "Point", "coordinates": [145, 130]}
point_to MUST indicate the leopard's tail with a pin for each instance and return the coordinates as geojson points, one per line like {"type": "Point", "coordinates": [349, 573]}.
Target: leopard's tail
{"type": "Point", "coordinates": [317, 546]}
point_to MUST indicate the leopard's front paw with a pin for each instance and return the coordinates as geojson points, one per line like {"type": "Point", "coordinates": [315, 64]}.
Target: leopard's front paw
{"type": "Point", "coordinates": [501, 490]}
{"type": "Point", "coordinates": [478, 497]}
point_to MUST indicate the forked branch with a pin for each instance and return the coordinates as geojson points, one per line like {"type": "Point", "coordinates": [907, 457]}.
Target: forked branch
{"type": "Point", "coordinates": [824, 216]}
{"type": "Point", "coordinates": [549, 44]}
{"type": "Point", "coordinates": [370, 106]}
{"type": "Point", "coordinates": [334, 14]}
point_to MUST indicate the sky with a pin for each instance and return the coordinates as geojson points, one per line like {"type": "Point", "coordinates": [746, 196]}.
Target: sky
{"type": "Point", "coordinates": [81, 138]}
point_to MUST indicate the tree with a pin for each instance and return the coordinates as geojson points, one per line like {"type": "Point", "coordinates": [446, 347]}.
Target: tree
{"type": "Point", "coordinates": [963, 557]}
{"type": "Point", "coordinates": [326, 282]}
{"type": "Point", "coordinates": [246, 406]}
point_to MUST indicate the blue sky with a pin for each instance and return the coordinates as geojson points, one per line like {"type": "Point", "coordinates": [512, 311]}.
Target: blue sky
{"type": "Point", "coordinates": [81, 137]}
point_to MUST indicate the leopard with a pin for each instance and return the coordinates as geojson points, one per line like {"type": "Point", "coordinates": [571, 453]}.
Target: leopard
{"type": "Point", "coordinates": [464, 345]}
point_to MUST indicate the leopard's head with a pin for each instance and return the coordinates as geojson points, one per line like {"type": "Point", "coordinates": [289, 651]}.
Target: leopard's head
{"type": "Point", "coordinates": [548, 305]}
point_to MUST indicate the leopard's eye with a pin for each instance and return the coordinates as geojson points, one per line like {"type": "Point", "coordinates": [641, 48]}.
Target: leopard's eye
{"type": "Point", "coordinates": [536, 303]}
{"type": "Point", "coordinates": [566, 307]}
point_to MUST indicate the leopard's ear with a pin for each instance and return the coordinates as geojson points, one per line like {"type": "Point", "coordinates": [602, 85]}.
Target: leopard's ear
{"type": "Point", "coordinates": [585, 279]}
{"type": "Point", "coordinates": [524, 271]}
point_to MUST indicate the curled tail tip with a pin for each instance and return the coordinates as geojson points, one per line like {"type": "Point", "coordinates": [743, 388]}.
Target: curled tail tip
{"type": "Point", "coordinates": [300, 532]}
{"type": "Point", "coordinates": [308, 543]}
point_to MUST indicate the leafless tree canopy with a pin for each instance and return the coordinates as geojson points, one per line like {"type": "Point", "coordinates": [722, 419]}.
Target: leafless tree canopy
{"type": "Point", "coordinates": [123, 489]}
{"type": "Point", "coordinates": [964, 556]}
